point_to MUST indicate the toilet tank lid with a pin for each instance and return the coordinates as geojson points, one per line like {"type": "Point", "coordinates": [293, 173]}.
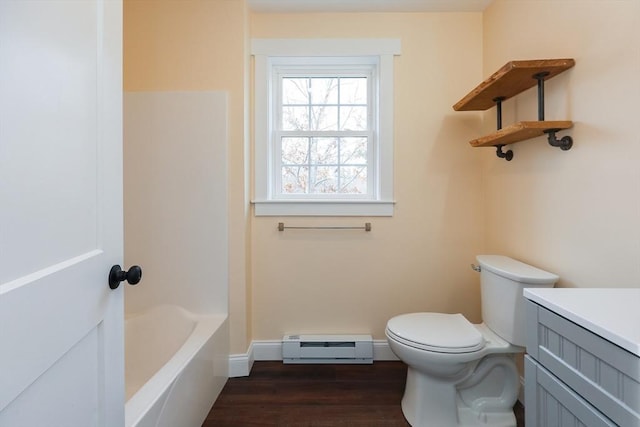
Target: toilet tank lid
{"type": "Point", "coordinates": [515, 270]}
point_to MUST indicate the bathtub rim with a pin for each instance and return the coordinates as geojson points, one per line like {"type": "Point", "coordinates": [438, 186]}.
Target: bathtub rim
{"type": "Point", "coordinates": [154, 389]}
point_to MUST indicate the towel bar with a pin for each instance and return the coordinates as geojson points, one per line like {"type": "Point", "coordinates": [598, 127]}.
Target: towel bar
{"type": "Point", "coordinates": [367, 227]}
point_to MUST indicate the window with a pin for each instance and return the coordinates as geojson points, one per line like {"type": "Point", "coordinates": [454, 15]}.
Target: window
{"type": "Point", "coordinates": [324, 127]}
{"type": "Point", "coordinates": [322, 134]}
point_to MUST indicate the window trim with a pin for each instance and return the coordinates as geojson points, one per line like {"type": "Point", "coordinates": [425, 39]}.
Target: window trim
{"type": "Point", "coordinates": [266, 52]}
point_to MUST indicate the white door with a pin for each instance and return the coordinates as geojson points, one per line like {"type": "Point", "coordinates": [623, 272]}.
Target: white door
{"type": "Point", "coordinates": [61, 327]}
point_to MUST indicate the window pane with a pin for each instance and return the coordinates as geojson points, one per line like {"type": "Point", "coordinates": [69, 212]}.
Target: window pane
{"type": "Point", "coordinates": [324, 151]}
{"type": "Point", "coordinates": [353, 180]}
{"type": "Point", "coordinates": [295, 118]}
{"type": "Point", "coordinates": [353, 118]}
{"type": "Point", "coordinates": [353, 90]}
{"type": "Point", "coordinates": [324, 90]}
{"type": "Point", "coordinates": [295, 151]}
{"type": "Point", "coordinates": [295, 91]}
{"type": "Point", "coordinates": [353, 151]}
{"type": "Point", "coordinates": [330, 105]}
{"type": "Point", "coordinates": [324, 179]}
{"type": "Point", "coordinates": [324, 118]}
{"type": "Point", "coordinates": [295, 179]}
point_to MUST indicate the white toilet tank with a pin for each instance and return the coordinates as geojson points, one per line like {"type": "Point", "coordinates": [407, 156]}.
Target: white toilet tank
{"type": "Point", "coordinates": [502, 281]}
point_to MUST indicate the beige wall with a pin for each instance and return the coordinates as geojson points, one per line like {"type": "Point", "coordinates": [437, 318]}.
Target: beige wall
{"type": "Point", "coordinates": [352, 281]}
{"type": "Point", "coordinates": [194, 45]}
{"type": "Point", "coordinates": [576, 213]}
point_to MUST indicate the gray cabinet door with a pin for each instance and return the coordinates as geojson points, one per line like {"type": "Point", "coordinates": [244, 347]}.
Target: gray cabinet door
{"type": "Point", "coordinates": [550, 403]}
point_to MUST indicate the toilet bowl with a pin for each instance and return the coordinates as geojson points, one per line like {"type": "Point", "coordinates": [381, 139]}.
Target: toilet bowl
{"type": "Point", "coordinates": [464, 374]}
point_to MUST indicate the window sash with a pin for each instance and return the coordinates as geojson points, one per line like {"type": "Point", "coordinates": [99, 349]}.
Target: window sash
{"type": "Point", "coordinates": [367, 70]}
{"type": "Point", "coordinates": [308, 72]}
{"type": "Point", "coordinates": [278, 165]}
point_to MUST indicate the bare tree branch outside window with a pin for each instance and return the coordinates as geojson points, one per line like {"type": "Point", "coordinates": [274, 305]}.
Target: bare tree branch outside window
{"type": "Point", "coordinates": [325, 144]}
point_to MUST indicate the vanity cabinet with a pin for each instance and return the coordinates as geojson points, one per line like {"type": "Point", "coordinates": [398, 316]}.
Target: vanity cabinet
{"type": "Point", "coordinates": [575, 376]}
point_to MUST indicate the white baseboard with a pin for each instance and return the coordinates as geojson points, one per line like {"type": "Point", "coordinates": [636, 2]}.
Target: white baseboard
{"type": "Point", "coordinates": [382, 351]}
{"type": "Point", "coordinates": [240, 364]}
{"type": "Point", "coordinates": [267, 350]}
{"type": "Point", "coordinates": [262, 350]}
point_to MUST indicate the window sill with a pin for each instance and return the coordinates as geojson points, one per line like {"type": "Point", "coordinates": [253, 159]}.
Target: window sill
{"type": "Point", "coordinates": [323, 208]}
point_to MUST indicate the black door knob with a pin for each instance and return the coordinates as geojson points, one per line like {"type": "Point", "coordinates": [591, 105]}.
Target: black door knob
{"type": "Point", "coordinates": [117, 275]}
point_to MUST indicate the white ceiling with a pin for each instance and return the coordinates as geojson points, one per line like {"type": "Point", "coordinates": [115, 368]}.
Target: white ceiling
{"type": "Point", "coordinates": [286, 6]}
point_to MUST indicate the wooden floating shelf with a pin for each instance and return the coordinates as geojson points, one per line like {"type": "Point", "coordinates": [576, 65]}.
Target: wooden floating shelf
{"type": "Point", "coordinates": [519, 132]}
{"type": "Point", "coordinates": [514, 77]}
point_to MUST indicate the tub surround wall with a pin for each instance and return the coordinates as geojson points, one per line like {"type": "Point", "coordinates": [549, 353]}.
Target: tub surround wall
{"type": "Point", "coordinates": [175, 151]}
{"type": "Point", "coordinates": [575, 213]}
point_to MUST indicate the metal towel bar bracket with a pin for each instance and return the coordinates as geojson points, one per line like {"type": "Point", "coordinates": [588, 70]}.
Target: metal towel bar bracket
{"type": "Point", "coordinates": [367, 227]}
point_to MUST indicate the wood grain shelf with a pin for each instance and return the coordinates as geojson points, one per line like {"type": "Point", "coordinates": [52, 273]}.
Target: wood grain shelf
{"type": "Point", "coordinates": [519, 132]}
{"type": "Point", "coordinates": [514, 77]}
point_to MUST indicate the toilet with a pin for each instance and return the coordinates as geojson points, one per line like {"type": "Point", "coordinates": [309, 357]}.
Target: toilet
{"type": "Point", "coordinates": [464, 374]}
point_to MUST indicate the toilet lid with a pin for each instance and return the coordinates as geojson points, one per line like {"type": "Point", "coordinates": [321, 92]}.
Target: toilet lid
{"type": "Point", "coordinates": [439, 332]}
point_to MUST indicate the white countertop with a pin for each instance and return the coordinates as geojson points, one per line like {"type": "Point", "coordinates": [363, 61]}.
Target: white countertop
{"type": "Point", "coordinates": [612, 313]}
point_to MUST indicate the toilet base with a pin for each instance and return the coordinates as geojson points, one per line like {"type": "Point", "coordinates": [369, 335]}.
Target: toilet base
{"type": "Point", "coordinates": [416, 414]}
{"type": "Point", "coordinates": [459, 401]}
{"type": "Point", "coordinates": [468, 417]}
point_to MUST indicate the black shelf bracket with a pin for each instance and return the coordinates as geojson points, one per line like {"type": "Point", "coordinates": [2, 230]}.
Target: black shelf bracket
{"type": "Point", "coordinates": [565, 143]}
{"type": "Point", "coordinates": [508, 155]}
{"type": "Point", "coordinates": [540, 78]}
{"type": "Point", "coordinates": [498, 102]}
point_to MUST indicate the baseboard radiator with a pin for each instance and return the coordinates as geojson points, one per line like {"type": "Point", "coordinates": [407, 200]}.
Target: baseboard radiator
{"type": "Point", "coordinates": [327, 349]}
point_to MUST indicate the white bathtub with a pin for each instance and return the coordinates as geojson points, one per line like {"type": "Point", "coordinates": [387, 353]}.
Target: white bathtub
{"type": "Point", "coordinates": [176, 364]}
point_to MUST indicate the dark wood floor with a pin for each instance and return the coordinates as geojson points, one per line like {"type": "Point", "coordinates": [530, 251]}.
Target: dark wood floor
{"type": "Point", "coordinates": [315, 395]}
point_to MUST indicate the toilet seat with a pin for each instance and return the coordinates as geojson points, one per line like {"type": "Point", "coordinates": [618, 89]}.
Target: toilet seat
{"type": "Point", "coordinates": [436, 332]}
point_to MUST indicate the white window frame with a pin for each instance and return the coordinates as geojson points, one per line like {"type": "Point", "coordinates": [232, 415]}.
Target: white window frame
{"type": "Point", "coordinates": [269, 54]}
{"type": "Point", "coordinates": [309, 67]}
